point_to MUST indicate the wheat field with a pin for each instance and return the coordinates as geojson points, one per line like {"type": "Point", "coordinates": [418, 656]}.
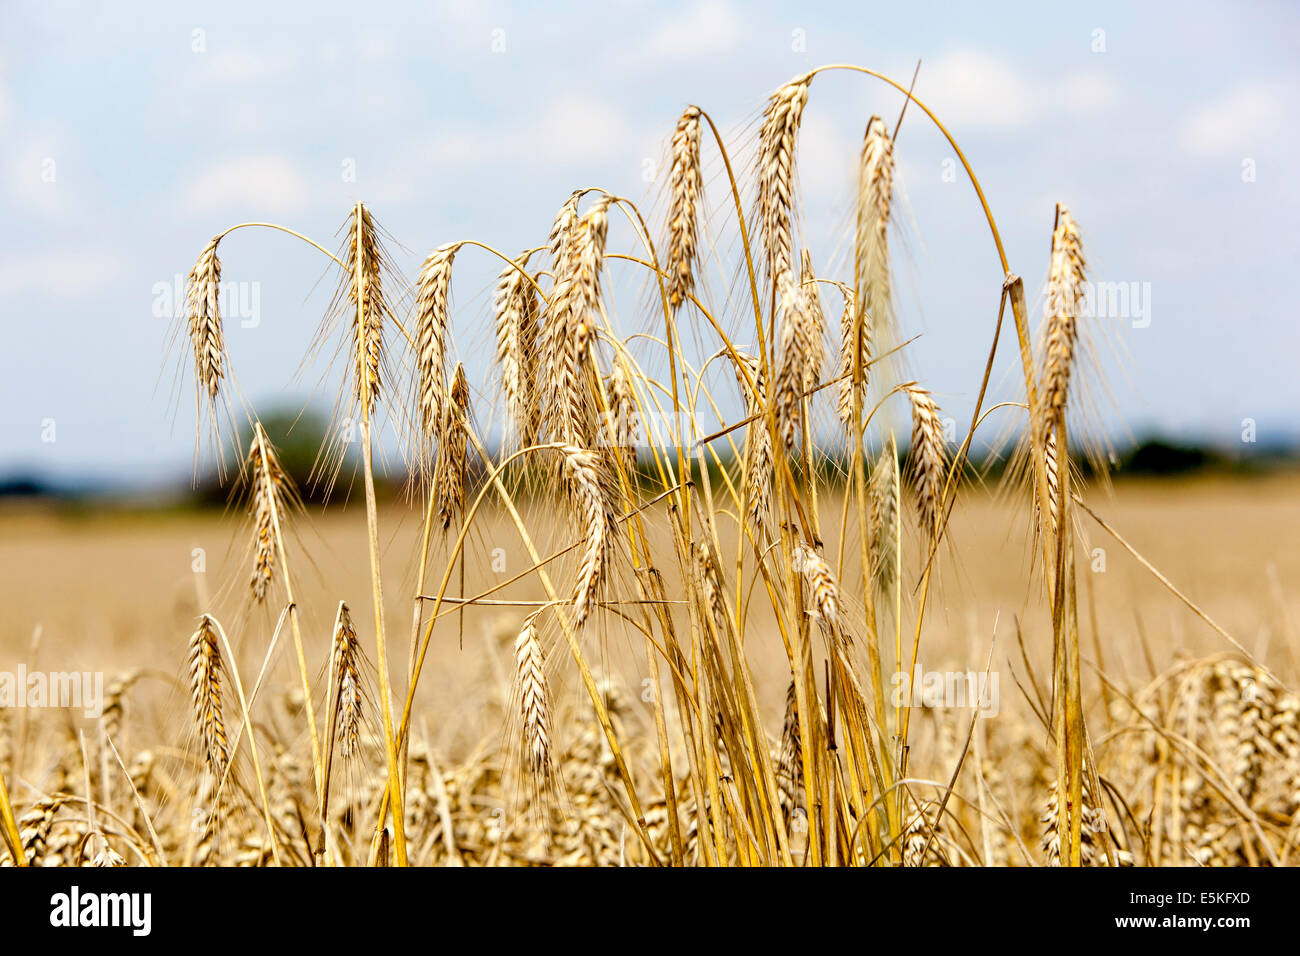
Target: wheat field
{"type": "Point", "coordinates": [654, 591]}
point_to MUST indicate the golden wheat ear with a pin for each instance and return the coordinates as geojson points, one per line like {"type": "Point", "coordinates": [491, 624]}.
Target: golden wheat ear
{"type": "Point", "coordinates": [431, 320]}
{"type": "Point", "coordinates": [271, 495]}
{"type": "Point", "coordinates": [346, 711]}
{"type": "Point", "coordinates": [929, 456]}
{"type": "Point", "coordinates": [206, 677]}
{"type": "Point", "coordinates": [571, 316]}
{"type": "Point", "coordinates": [685, 193]}
{"type": "Point", "coordinates": [517, 314]}
{"type": "Point", "coordinates": [586, 488]}
{"type": "Point", "coordinates": [449, 476]}
{"type": "Point", "coordinates": [872, 306]}
{"type": "Point", "coordinates": [884, 495]}
{"type": "Point", "coordinates": [778, 138]}
{"type": "Point", "coordinates": [534, 701]}
{"type": "Point", "coordinates": [758, 462]}
{"type": "Point", "coordinates": [204, 329]}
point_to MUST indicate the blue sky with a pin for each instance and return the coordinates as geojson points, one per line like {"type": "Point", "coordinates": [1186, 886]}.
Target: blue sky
{"type": "Point", "coordinates": [129, 134]}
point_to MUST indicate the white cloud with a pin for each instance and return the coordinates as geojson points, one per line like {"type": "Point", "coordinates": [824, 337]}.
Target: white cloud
{"type": "Point", "coordinates": [38, 176]}
{"type": "Point", "coordinates": [710, 27]}
{"type": "Point", "coordinates": [573, 128]}
{"type": "Point", "coordinates": [577, 128]}
{"type": "Point", "coordinates": [1086, 92]}
{"type": "Point", "coordinates": [238, 66]}
{"type": "Point", "coordinates": [827, 158]}
{"type": "Point", "coordinates": [968, 89]}
{"type": "Point", "coordinates": [1235, 123]}
{"type": "Point", "coordinates": [268, 183]}
{"type": "Point", "coordinates": [65, 275]}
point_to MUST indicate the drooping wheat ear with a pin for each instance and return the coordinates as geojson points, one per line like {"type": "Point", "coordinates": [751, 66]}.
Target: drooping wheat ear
{"type": "Point", "coordinates": [1053, 479]}
{"type": "Point", "coordinates": [270, 491]}
{"type": "Point", "coordinates": [758, 440]}
{"type": "Point", "coordinates": [557, 243]}
{"type": "Point", "coordinates": [347, 681]}
{"type": "Point", "coordinates": [800, 351]}
{"type": "Point", "coordinates": [929, 458]}
{"type": "Point", "coordinates": [709, 585]}
{"type": "Point", "coordinates": [814, 332]}
{"type": "Point", "coordinates": [848, 336]}
{"type": "Point", "coordinates": [206, 675]}
{"type": "Point", "coordinates": [1065, 291]}
{"type": "Point", "coordinates": [789, 768]}
{"type": "Point", "coordinates": [534, 700]}
{"type": "Point", "coordinates": [570, 321]}
{"type": "Point", "coordinates": [776, 173]}
{"type": "Point", "coordinates": [685, 188]}
{"type": "Point", "coordinates": [872, 300]}
{"type": "Point", "coordinates": [822, 589]}
{"type": "Point", "coordinates": [365, 261]}
{"type": "Point", "coordinates": [580, 474]}
{"type": "Point", "coordinates": [449, 480]}
{"type": "Point", "coordinates": [431, 317]}
{"type": "Point", "coordinates": [203, 319]}
{"type": "Point", "coordinates": [622, 429]}
{"type": "Point", "coordinates": [517, 325]}
{"type": "Point", "coordinates": [115, 704]}
{"type": "Point", "coordinates": [35, 826]}
{"type": "Point", "coordinates": [884, 514]}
